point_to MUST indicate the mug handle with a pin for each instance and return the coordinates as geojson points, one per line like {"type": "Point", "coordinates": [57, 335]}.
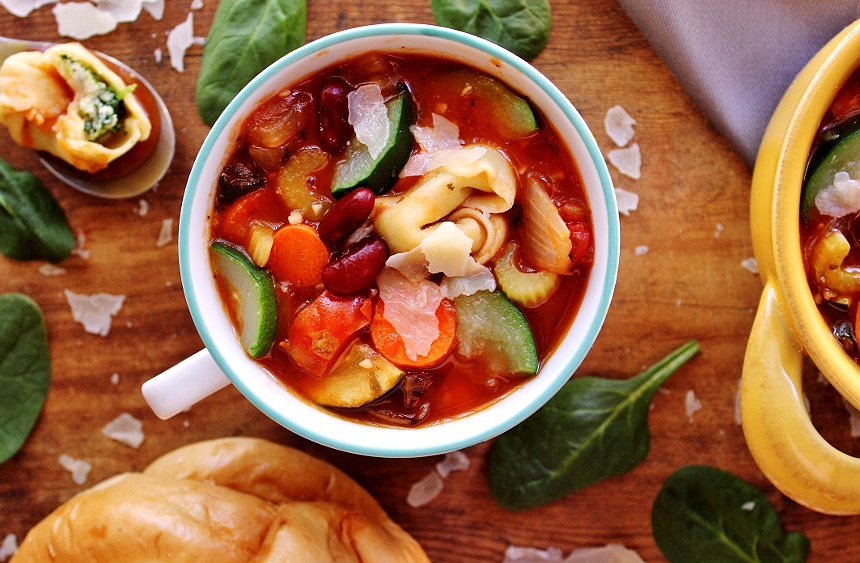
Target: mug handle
{"type": "Point", "coordinates": [780, 436]}
{"type": "Point", "coordinates": [177, 389]}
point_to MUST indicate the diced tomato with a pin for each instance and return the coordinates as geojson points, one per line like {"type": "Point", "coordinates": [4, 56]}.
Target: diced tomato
{"type": "Point", "coordinates": [260, 205]}
{"type": "Point", "coordinates": [322, 329]}
{"type": "Point", "coordinates": [580, 239]}
{"type": "Point", "coordinates": [847, 101]}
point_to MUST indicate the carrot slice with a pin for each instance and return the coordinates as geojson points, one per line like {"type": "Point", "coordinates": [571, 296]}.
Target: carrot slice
{"type": "Point", "coordinates": [389, 343]}
{"type": "Point", "coordinates": [298, 255]}
{"type": "Point", "coordinates": [260, 205]}
{"type": "Point", "coordinates": [321, 330]}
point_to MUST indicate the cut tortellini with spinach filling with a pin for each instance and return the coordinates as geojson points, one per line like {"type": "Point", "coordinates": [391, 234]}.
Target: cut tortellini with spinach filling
{"type": "Point", "coordinates": [67, 102]}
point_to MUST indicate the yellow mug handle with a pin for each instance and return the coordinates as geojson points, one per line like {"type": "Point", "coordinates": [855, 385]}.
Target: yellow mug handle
{"type": "Point", "coordinates": [780, 436]}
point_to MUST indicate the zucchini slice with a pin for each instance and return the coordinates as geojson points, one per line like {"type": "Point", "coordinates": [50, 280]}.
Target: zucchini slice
{"type": "Point", "coordinates": [378, 174]}
{"type": "Point", "coordinates": [361, 376]}
{"type": "Point", "coordinates": [252, 292]}
{"type": "Point", "coordinates": [529, 289]}
{"type": "Point", "coordinates": [489, 325]}
{"type": "Point", "coordinates": [844, 156]}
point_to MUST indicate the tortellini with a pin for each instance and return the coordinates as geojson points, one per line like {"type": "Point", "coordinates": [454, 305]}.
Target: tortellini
{"type": "Point", "coordinates": [67, 102]}
{"type": "Point", "coordinates": [481, 179]}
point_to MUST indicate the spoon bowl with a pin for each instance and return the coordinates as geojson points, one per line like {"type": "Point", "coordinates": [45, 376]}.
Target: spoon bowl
{"type": "Point", "coordinates": [140, 178]}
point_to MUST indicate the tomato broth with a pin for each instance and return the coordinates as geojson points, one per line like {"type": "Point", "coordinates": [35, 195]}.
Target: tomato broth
{"type": "Point", "coordinates": [249, 197]}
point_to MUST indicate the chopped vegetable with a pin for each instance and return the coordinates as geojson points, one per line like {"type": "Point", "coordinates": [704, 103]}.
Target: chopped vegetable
{"type": "Point", "coordinates": [546, 238]}
{"type": "Point", "coordinates": [323, 327]}
{"type": "Point", "coordinates": [361, 376]}
{"type": "Point", "coordinates": [490, 326]}
{"type": "Point", "coordinates": [379, 174]}
{"type": "Point", "coordinates": [253, 291]}
{"type": "Point", "coordinates": [298, 255]}
{"type": "Point", "coordinates": [260, 246]}
{"type": "Point", "coordinates": [262, 206]}
{"type": "Point", "coordinates": [294, 177]}
{"type": "Point", "coordinates": [390, 344]}
{"type": "Point", "coordinates": [529, 289]}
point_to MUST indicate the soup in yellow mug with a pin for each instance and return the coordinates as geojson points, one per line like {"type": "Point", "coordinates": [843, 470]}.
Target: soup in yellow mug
{"type": "Point", "coordinates": [800, 218]}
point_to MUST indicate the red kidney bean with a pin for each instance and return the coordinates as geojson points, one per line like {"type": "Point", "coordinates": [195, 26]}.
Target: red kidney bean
{"type": "Point", "coordinates": [354, 271]}
{"type": "Point", "coordinates": [346, 215]}
{"type": "Point", "coordinates": [335, 130]}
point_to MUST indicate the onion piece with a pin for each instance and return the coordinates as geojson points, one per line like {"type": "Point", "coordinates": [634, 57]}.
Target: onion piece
{"type": "Point", "coordinates": [547, 238]}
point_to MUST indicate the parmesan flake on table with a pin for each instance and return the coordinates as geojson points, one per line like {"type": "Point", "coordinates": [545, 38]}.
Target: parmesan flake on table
{"type": "Point", "coordinates": [640, 250]}
{"type": "Point", "coordinates": [22, 8]}
{"type": "Point", "coordinates": [627, 201]}
{"type": "Point", "coordinates": [51, 270]}
{"type": "Point", "coordinates": [718, 230]}
{"type": "Point", "coordinates": [610, 553]}
{"type": "Point", "coordinates": [165, 235]}
{"type": "Point", "coordinates": [628, 160]}
{"type": "Point", "coordinates": [196, 4]}
{"type": "Point", "coordinates": [425, 490]}
{"type": "Point", "coordinates": [619, 125]}
{"type": "Point", "coordinates": [122, 11]}
{"type": "Point", "coordinates": [750, 264]}
{"type": "Point", "coordinates": [126, 429]}
{"type": "Point", "coordinates": [79, 468]}
{"type": "Point", "coordinates": [692, 404]}
{"type": "Point", "coordinates": [81, 20]}
{"type": "Point", "coordinates": [179, 39]}
{"type": "Point", "coordinates": [155, 8]}
{"type": "Point", "coordinates": [142, 208]}
{"type": "Point", "coordinates": [94, 311]}
{"type": "Point", "coordinates": [428, 487]}
{"type": "Point", "coordinates": [9, 547]}
{"type": "Point", "coordinates": [80, 242]}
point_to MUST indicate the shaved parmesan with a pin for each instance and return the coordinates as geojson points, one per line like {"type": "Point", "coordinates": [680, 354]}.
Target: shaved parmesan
{"type": "Point", "coordinates": [478, 278]}
{"type": "Point", "coordinates": [369, 117]}
{"type": "Point", "coordinates": [692, 404]}
{"type": "Point", "coordinates": [454, 461]}
{"type": "Point", "coordinates": [155, 8]}
{"type": "Point", "coordinates": [413, 264]}
{"type": "Point", "coordinates": [443, 134]}
{"type": "Point", "coordinates": [628, 161]}
{"type": "Point", "coordinates": [179, 39]}
{"type": "Point", "coordinates": [22, 8]}
{"type": "Point", "coordinates": [748, 506]}
{"type": "Point", "coordinates": [78, 468]}
{"type": "Point", "coordinates": [840, 198]}
{"type": "Point", "coordinates": [627, 201]}
{"type": "Point", "coordinates": [94, 311]}
{"type": "Point", "coordinates": [611, 553]}
{"type": "Point", "coordinates": [411, 309]}
{"type": "Point", "coordinates": [121, 10]}
{"type": "Point", "coordinates": [126, 429]}
{"type": "Point", "coordinates": [425, 490]}
{"type": "Point", "coordinates": [165, 235]}
{"type": "Point", "coordinates": [619, 125]}
{"type": "Point", "coordinates": [750, 264]}
{"type": "Point", "coordinates": [51, 270]}
{"type": "Point", "coordinates": [9, 546]}
{"type": "Point", "coordinates": [447, 250]}
{"type": "Point", "coordinates": [80, 20]}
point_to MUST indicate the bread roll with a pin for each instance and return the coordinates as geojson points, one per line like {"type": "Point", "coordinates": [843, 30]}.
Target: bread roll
{"type": "Point", "coordinates": [232, 499]}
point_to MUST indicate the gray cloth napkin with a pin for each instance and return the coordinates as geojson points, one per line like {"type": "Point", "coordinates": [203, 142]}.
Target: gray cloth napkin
{"type": "Point", "coordinates": [737, 57]}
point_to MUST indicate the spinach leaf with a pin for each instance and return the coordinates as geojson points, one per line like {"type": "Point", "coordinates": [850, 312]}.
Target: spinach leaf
{"type": "Point", "coordinates": [33, 226]}
{"type": "Point", "coordinates": [520, 26]}
{"type": "Point", "coordinates": [592, 429]}
{"type": "Point", "coordinates": [705, 514]}
{"type": "Point", "coordinates": [25, 370]}
{"type": "Point", "coordinates": [246, 36]}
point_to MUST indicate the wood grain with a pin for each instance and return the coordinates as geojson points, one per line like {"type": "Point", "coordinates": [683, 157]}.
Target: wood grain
{"type": "Point", "coordinates": [692, 217]}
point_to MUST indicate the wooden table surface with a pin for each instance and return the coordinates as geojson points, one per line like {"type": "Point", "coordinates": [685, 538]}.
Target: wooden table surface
{"type": "Point", "coordinates": [692, 217]}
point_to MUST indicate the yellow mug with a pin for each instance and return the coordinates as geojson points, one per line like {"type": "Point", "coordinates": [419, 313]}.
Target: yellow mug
{"type": "Point", "coordinates": [780, 436]}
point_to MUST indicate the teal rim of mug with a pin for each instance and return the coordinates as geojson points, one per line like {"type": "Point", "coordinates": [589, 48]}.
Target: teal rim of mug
{"type": "Point", "coordinates": [614, 243]}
